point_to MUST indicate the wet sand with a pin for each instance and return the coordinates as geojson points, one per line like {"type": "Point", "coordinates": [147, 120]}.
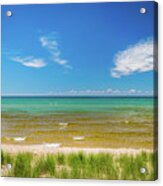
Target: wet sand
{"type": "Point", "coordinates": [47, 148]}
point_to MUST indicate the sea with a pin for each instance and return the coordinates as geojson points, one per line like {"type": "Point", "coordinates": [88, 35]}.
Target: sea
{"type": "Point", "coordinates": [79, 121]}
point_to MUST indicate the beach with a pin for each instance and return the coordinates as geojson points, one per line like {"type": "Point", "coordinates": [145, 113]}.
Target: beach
{"type": "Point", "coordinates": [45, 149]}
{"type": "Point", "coordinates": [97, 131]}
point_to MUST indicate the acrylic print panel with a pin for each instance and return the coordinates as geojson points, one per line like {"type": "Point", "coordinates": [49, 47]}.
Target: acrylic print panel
{"type": "Point", "coordinates": [79, 91]}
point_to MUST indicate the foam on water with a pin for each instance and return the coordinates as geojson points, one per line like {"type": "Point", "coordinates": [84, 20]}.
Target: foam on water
{"type": "Point", "coordinates": [19, 139]}
{"type": "Point", "coordinates": [63, 123]}
{"type": "Point", "coordinates": [78, 138]}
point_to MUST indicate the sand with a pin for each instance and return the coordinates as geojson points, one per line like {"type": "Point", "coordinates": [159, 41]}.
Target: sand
{"type": "Point", "coordinates": [47, 148]}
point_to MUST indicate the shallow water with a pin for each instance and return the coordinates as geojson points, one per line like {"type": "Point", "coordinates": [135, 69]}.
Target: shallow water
{"type": "Point", "coordinates": [102, 122]}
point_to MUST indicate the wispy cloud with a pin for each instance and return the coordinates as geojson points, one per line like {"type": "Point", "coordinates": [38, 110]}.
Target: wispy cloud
{"type": "Point", "coordinates": [30, 61]}
{"type": "Point", "coordinates": [51, 44]}
{"type": "Point", "coordinates": [91, 92]}
{"type": "Point", "coordinates": [136, 58]}
{"type": "Point", "coordinates": [105, 92]}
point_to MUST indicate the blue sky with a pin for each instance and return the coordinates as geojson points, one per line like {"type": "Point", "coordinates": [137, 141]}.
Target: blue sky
{"type": "Point", "coordinates": [104, 48]}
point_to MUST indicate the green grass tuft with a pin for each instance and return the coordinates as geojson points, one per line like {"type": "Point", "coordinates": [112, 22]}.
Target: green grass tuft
{"type": "Point", "coordinates": [81, 165]}
{"type": "Point", "coordinates": [22, 165]}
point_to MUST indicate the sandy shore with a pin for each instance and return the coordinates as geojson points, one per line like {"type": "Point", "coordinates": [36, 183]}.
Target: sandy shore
{"type": "Point", "coordinates": [44, 149]}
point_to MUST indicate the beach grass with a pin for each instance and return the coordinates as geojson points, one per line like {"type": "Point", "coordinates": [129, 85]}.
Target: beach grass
{"type": "Point", "coordinates": [80, 165]}
{"type": "Point", "coordinates": [23, 165]}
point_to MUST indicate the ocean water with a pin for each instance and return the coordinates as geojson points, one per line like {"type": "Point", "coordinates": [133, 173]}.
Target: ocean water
{"type": "Point", "coordinates": [36, 105]}
{"type": "Point", "coordinates": [79, 121]}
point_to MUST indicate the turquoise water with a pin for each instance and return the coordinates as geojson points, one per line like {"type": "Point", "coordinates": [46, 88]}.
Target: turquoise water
{"type": "Point", "coordinates": [56, 105]}
{"type": "Point", "coordinates": [104, 122]}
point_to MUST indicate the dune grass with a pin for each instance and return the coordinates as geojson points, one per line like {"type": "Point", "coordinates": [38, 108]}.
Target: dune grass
{"type": "Point", "coordinates": [80, 165]}
{"type": "Point", "coordinates": [22, 165]}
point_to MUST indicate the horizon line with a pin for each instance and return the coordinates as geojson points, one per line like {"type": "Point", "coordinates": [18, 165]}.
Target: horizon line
{"type": "Point", "coordinates": [73, 96]}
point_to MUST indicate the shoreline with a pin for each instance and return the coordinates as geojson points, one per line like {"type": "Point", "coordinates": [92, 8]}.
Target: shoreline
{"type": "Point", "coordinates": [43, 149]}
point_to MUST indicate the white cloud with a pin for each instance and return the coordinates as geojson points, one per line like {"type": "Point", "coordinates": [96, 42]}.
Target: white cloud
{"type": "Point", "coordinates": [136, 58]}
{"type": "Point", "coordinates": [30, 61]}
{"type": "Point", "coordinates": [132, 91]}
{"type": "Point", "coordinates": [107, 92]}
{"type": "Point", "coordinates": [92, 92]}
{"type": "Point", "coordinates": [51, 44]}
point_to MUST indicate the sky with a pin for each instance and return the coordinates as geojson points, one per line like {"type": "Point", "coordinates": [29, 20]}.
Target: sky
{"type": "Point", "coordinates": [78, 49]}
